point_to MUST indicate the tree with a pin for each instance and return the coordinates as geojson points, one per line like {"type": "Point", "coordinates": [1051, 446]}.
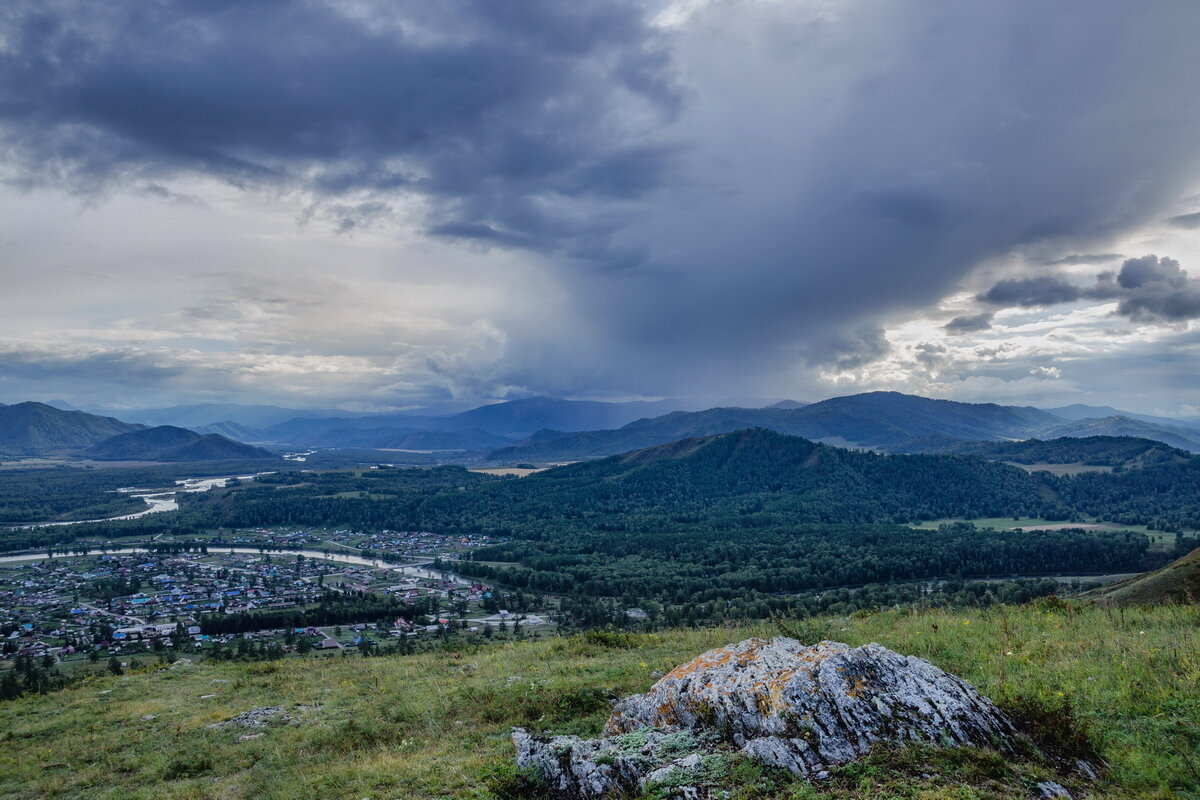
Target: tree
{"type": "Point", "coordinates": [114, 666]}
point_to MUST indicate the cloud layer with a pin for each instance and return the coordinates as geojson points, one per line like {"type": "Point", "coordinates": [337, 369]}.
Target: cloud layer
{"type": "Point", "coordinates": [590, 198]}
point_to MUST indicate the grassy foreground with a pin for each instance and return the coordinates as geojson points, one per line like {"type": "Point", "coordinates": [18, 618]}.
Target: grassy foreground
{"type": "Point", "coordinates": [436, 724]}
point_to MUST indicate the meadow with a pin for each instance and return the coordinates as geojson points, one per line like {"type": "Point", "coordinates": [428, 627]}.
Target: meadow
{"type": "Point", "coordinates": [435, 725]}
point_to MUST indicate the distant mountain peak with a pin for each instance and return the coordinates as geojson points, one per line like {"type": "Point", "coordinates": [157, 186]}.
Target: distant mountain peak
{"type": "Point", "coordinates": [169, 443]}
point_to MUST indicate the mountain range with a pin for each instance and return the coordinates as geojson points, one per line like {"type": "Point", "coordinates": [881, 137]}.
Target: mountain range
{"type": "Point", "coordinates": [545, 430]}
{"type": "Point", "coordinates": [201, 414]}
{"type": "Point", "coordinates": [484, 427]}
{"type": "Point", "coordinates": [31, 429]}
{"type": "Point", "coordinates": [37, 429]}
{"type": "Point", "coordinates": [884, 421]}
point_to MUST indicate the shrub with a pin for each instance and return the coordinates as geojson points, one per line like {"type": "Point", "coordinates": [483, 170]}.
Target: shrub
{"type": "Point", "coordinates": [1053, 725]}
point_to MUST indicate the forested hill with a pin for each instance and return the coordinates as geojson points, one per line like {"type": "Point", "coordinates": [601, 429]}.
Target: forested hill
{"type": "Point", "coordinates": [747, 479]}
{"type": "Point", "coordinates": [750, 479]}
{"type": "Point", "coordinates": [1175, 436]}
{"type": "Point", "coordinates": [758, 477]}
{"type": "Point", "coordinates": [1108, 451]}
{"type": "Point", "coordinates": [36, 429]}
{"type": "Point", "coordinates": [760, 473]}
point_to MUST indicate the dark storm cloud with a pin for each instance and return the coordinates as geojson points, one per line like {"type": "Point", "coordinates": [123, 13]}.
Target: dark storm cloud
{"type": "Point", "coordinates": [483, 108]}
{"type": "Point", "coordinates": [1151, 288]}
{"type": "Point", "coordinates": [1043, 290]}
{"type": "Point", "coordinates": [969, 323]}
{"type": "Point", "coordinates": [847, 351]}
{"type": "Point", "coordinates": [31, 366]}
{"type": "Point", "coordinates": [1137, 273]}
{"type": "Point", "coordinates": [1146, 288]}
{"type": "Point", "coordinates": [854, 169]}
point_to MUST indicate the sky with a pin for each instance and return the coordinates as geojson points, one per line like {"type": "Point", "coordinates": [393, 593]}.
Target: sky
{"type": "Point", "coordinates": [392, 205]}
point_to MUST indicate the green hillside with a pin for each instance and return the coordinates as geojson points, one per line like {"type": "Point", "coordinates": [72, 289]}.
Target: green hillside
{"type": "Point", "coordinates": [436, 725]}
{"type": "Point", "coordinates": [1177, 582]}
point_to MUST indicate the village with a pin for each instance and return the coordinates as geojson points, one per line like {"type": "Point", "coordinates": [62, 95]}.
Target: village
{"type": "Point", "coordinates": [163, 601]}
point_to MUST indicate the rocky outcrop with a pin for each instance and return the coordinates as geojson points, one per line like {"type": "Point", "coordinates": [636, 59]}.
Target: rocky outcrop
{"type": "Point", "coordinates": [777, 701]}
{"type": "Point", "coordinates": [255, 718]}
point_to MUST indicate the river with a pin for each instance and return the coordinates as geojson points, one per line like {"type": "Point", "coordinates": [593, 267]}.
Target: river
{"type": "Point", "coordinates": [157, 500]}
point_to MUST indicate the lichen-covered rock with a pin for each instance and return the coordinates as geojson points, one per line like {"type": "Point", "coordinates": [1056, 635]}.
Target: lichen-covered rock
{"type": "Point", "coordinates": [803, 708]}
{"type": "Point", "coordinates": [776, 701]}
{"type": "Point", "coordinates": [1048, 790]}
{"type": "Point", "coordinates": [255, 718]}
{"type": "Point", "coordinates": [629, 763]}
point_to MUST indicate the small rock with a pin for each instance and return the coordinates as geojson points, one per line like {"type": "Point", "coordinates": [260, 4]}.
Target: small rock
{"type": "Point", "coordinates": [206, 696]}
{"type": "Point", "coordinates": [150, 716]}
{"type": "Point", "coordinates": [245, 737]}
{"type": "Point", "coordinates": [255, 718]}
{"type": "Point", "coordinates": [1047, 790]}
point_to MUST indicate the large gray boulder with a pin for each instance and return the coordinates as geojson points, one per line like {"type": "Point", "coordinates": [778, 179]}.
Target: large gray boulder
{"type": "Point", "coordinates": [801, 708]}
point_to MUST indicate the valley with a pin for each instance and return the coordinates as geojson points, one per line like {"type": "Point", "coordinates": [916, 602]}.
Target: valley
{"type": "Point", "coordinates": [302, 562]}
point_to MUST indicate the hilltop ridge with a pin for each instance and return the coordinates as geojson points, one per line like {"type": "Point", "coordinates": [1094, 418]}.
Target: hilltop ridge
{"type": "Point", "coordinates": [1177, 582]}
